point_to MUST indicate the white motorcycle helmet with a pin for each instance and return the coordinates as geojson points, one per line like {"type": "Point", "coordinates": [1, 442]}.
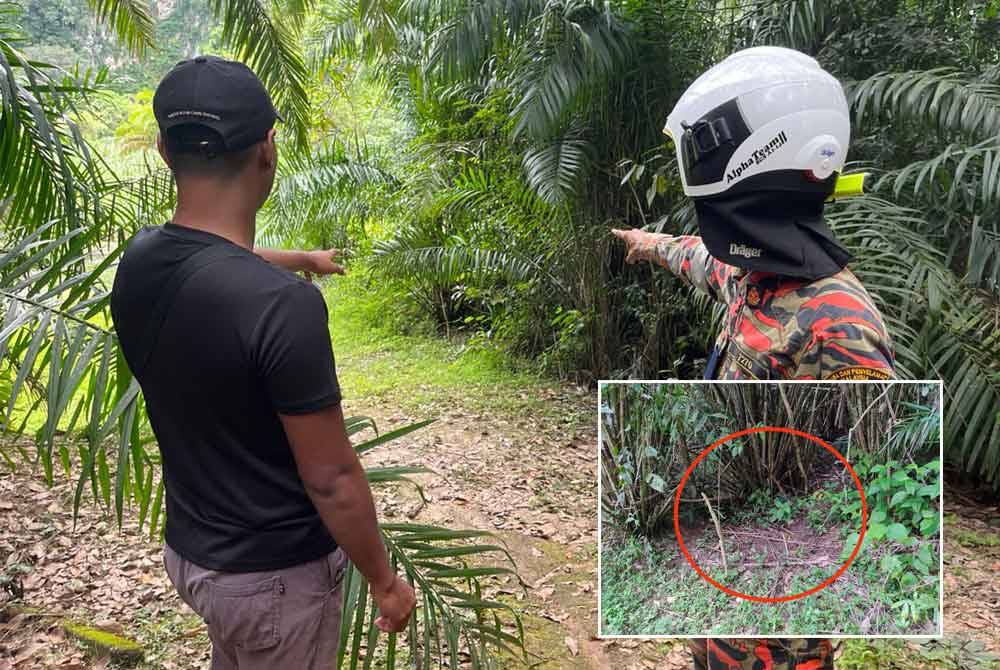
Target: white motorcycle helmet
{"type": "Point", "coordinates": [760, 110]}
{"type": "Point", "coordinates": [761, 139]}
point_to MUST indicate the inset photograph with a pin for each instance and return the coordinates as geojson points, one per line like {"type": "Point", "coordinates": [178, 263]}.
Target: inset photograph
{"type": "Point", "coordinates": [764, 508]}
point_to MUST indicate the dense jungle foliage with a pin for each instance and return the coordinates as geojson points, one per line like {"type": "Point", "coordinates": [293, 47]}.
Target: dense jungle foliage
{"type": "Point", "coordinates": [474, 155]}
{"type": "Point", "coordinates": [529, 113]}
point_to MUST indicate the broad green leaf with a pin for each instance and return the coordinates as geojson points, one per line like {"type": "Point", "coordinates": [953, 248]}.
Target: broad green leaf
{"type": "Point", "coordinates": [656, 481]}
{"type": "Point", "coordinates": [898, 533]}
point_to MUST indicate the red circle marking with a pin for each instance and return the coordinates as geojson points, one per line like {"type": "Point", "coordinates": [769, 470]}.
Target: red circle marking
{"type": "Point", "coordinates": [769, 429]}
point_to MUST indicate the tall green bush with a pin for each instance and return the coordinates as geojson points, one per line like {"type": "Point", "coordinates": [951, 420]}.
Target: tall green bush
{"type": "Point", "coordinates": [651, 433]}
{"type": "Point", "coordinates": [576, 93]}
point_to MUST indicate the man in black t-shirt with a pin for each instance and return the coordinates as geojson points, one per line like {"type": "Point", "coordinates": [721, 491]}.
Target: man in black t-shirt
{"type": "Point", "coordinates": [264, 493]}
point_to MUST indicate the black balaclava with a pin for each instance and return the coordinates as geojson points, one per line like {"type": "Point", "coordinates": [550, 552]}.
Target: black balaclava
{"type": "Point", "coordinates": [773, 222]}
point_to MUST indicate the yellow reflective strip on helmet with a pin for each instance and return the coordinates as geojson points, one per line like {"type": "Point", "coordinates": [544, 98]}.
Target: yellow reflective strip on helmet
{"type": "Point", "coordinates": [848, 185]}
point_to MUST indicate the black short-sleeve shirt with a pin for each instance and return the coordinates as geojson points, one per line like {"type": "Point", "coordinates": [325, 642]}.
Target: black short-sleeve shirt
{"type": "Point", "coordinates": [242, 341]}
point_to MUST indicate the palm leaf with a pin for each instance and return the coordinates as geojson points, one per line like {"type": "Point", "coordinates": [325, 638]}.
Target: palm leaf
{"type": "Point", "coordinates": [447, 568]}
{"type": "Point", "coordinates": [943, 98]}
{"type": "Point", "coordinates": [940, 329]}
{"type": "Point", "coordinates": [130, 20]}
{"type": "Point", "coordinates": [268, 45]}
{"type": "Point", "coordinates": [327, 188]}
{"type": "Point", "coordinates": [45, 158]}
{"type": "Point", "coordinates": [554, 171]}
{"type": "Point", "coordinates": [467, 32]}
{"type": "Point", "coordinates": [577, 48]}
{"type": "Point", "coordinates": [449, 264]}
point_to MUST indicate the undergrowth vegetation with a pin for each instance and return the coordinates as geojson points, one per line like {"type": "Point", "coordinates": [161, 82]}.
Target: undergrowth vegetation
{"type": "Point", "coordinates": [533, 127]}
{"type": "Point", "coordinates": [770, 535]}
{"type": "Point", "coordinates": [651, 433]}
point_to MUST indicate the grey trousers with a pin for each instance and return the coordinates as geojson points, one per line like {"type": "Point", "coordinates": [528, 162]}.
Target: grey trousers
{"type": "Point", "coordinates": [288, 618]}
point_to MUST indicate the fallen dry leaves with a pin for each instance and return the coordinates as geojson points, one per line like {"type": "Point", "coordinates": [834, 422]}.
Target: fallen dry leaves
{"type": "Point", "coordinates": [528, 478]}
{"type": "Point", "coordinates": [971, 587]}
{"type": "Point", "coordinates": [90, 572]}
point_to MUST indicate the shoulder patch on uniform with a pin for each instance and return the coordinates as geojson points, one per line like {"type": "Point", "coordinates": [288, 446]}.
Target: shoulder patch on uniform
{"type": "Point", "coordinates": [860, 373]}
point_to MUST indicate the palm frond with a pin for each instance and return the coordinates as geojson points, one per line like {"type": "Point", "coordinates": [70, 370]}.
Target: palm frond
{"type": "Point", "coordinates": [269, 46]}
{"type": "Point", "coordinates": [328, 187]}
{"type": "Point", "coordinates": [51, 345]}
{"type": "Point", "coordinates": [940, 329]}
{"type": "Point", "coordinates": [369, 30]}
{"type": "Point", "coordinates": [576, 49]}
{"type": "Point", "coordinates": [293, 11]}
{"type": "Point", "coordinates": [471, 31]}
{"type": "Point", "coordinates": [966, 356]}
{"type": "Point", "coordinates": [451, 570]}
{"type": "Point", "coordinates": [949, 186]}
{"type": "Point", "coordinates": [476, 192]}
{"type": "Point", "coordinates": [946, 99]}
{"type": "Point", "coordinates": [983, 257]}
{"type": "Point", "coordinates": [449, 265]}
{"type": "Point", "coordinates": [796, 24]}
{"type": "Point", "coordinates": [45, 159]}
{"type": "Point", "coordinates": [555, 171]}
{"type": "Point", "coordinates": [130, 20]}
{"type": "Point", "coordinates": [960, 175]}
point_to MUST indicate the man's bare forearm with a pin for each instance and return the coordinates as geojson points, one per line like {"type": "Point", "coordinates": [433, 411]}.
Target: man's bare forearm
{"type": "Point", "coordinates": [293, 260]}
{"type": "Point", "coordinates": [345, 504]}
{"type": "Point", "coordinates": [336, 483]}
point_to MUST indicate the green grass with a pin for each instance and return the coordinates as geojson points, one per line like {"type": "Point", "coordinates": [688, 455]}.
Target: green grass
{"type": "Point", "coordinates": [384, 354]}
{"type": "Point", "coordinates": [642, 593]}
{"type": "Point", "coordinates": [944, 654]}
{"type": "Point", "coordinates": [648, 588]}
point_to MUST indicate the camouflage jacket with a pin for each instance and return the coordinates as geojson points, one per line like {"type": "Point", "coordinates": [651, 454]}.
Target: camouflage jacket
{"type": "Point", "coordinates": [779, 327]}
{"type": "Point", "coordinates": [771, 654]}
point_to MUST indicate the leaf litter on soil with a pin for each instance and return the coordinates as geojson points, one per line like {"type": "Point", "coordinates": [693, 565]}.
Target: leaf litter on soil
{"type": "Point", "coordinates": [532, 483]}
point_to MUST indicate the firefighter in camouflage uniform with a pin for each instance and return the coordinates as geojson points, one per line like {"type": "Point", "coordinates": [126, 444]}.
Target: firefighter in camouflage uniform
{"type": "Point", "coordinates": [776, 326]}
{"type": "Point", "coordinates": [761, 140]}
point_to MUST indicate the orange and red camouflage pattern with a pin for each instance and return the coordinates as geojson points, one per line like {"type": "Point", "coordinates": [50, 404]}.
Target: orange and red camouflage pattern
{"type": "Point", "coordinates": [779, 327]}
{"type": "Point", "coordinates": [771, 654]}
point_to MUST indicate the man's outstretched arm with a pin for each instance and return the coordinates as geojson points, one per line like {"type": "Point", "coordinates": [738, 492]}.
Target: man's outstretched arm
{"type": "Point", "coordinates": [684, 255]}
{"type": "Point", "coordinates": [315, 262]}
{"type": "Point", "coordinates": [336, 483]}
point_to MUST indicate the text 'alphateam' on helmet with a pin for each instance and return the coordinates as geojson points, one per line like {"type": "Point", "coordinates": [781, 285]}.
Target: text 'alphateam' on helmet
{"type": "Point", "coordinates": [760, 110]}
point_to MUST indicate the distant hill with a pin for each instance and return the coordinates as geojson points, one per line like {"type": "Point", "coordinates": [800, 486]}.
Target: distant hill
{"type": "Point", "coordinates": [65, 33]}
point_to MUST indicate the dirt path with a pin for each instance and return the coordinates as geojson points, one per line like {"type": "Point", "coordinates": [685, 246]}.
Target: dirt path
{"type": "Point", "coordinates": [534, 484]}
{"type": "Point", "coordinates": [530, 481]}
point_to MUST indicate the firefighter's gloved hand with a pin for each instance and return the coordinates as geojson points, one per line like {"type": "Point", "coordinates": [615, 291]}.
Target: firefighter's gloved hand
{"type": "Point", "coordinates": [639, 244]}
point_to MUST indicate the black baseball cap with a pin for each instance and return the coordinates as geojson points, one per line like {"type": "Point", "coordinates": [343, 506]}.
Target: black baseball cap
{"type": "Point", "coordinates": [222, 95]}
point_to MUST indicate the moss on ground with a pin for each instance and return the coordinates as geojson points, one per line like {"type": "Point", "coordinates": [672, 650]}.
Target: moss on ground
{"type": "Point", "coordinates": [122, 650]}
